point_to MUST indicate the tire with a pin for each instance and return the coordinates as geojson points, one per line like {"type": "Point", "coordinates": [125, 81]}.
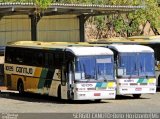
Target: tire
{"type": "Point", "coordinates": [136, 96]}
{"type": "Point", "coordinates": [158, 82]}
{"type": "Point", "coordinates": [97, 100]}
{"type": "Point", "coordinates": [20, 87]}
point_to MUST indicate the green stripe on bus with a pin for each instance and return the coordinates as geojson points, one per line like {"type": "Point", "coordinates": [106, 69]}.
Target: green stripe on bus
{"type": "Point", "coordinates": [42, 78]}
{"type": "Point", "coordinates": [140, 80]}
{"type": "Point", "coordinates": [44, 73]}
{"type": "Point", "coordinates": [145, 81]}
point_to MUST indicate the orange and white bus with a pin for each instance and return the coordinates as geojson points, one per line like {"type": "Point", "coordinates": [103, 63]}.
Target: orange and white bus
{"type": "Point", "coordinates": [60, 70]}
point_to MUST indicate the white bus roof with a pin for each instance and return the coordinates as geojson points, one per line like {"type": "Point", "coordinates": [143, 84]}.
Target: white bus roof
{"type": "Point", "coordinates": [130, 48]}
{"type": "Point", "coordinates": [82, 51]}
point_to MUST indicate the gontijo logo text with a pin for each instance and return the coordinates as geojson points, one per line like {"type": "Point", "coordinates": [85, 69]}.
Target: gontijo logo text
{"type": "Point", "coordinates": [18, 69]}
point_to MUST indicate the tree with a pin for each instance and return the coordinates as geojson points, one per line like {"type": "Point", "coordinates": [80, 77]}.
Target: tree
{"type": "Point", "coordinates": [123, 24]}
{"type": "Point", "coordinates": [150, 13]}
{"type": "Point", "coordinates": [40, 3]}
{"type": "Point", "coordinates": [128, 24]}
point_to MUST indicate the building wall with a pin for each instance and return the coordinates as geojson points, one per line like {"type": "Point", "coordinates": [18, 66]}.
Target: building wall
{"type": "Point", "coordinates": [59, 28]}
{"type": "Point", "coordinates": [13, 28]}
{"type": "Point", "coordinates": [50, 28]}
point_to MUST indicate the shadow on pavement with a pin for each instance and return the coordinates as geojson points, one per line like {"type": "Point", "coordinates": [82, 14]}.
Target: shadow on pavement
{"type": "Point", "coordinates": [129, 97]}
{"type": "Point", "coordinates": [158, 89]}
{"type": "Point", "coordinates": [29, 97]}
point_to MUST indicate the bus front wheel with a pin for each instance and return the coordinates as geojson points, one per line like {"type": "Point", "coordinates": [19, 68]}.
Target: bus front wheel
{"type": "Point", "coordinates": [20, 87]}
{"type": "Point", "coordinates": [136, 96]}
{"type": "Point", "coordinates": [158, 82]}
{"type": "Point", "coordinates": [97, 100]}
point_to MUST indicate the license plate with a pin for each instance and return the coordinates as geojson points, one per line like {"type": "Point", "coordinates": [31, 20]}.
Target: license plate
{"type": "Point", "coordinates": [138, 89]}
{"type": "Point", "coordinates": [97, 94]}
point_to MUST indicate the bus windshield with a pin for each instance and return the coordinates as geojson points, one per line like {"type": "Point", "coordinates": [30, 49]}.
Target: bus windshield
{"type": "Point", "coordinates": [146, 64]}
{"type": "Point", "coordinates": [94, 67]}
{"type": "Point", "coordinates": [127, 65]}
{"type": "Point", "coordinates": [136, 64]}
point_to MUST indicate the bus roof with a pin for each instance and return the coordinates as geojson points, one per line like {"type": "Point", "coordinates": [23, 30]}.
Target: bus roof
{"type": "Point", "coordinates": [44, 45]}
{"type": "Point", "coordinates": [130, 48]}
{"type": "Point", "coordinates": [79, 51]}
{"type": "Point", "coordinates": [77, 48]}
{"type": "Point", "coordinates": [145, 37]}
{"type": "Point", "coordinates": [129, 40]}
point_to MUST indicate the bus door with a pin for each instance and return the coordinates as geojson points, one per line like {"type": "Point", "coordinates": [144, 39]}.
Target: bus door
{"type": "Point", "coordinates": [70, 80]}
{"type": "Point", "coordinates": [67, 81]}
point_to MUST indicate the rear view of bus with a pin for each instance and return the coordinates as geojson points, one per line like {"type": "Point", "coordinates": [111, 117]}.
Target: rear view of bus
{"type": "Point", "coordinates": [94, 73]}
{"type": "Point", "coordinates": [134, 69]}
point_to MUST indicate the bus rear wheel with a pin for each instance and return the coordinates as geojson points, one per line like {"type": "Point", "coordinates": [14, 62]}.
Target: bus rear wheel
{"type": "Point", "coordinates": [136, 96]}
{"type": "Point", "coordinates": [20, 87]}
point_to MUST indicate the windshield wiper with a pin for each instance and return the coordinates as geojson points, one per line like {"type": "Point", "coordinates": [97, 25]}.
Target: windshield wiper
{"type": "Point", "coordinates": [88, 76]}
{"type": "Point", "coordinates": [105, 79]}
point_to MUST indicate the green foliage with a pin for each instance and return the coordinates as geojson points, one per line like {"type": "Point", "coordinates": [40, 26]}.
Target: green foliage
{"type": "Point", "coordinates": [119, 25]}
{"type": "Point", "coordinates": [40, 3]}
{"type": "Point", "coordinates": [43, 3]}
{"type": "Point", "coordinates": [150, 13]}
{"type": "Point", "coordinates": [129, 22]}
{"type": "Point", "coordinates": [100, 24]}
{"type": "Point", "coordinates": [22, 1]}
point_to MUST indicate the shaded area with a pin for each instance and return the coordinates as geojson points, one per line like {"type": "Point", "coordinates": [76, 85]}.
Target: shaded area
{"type": "Point", "coordinates": [129, 97]}
{"type": "Point", "coordinates": [30, 97]}
{"type": "Point", "coordinates": [158, 89]}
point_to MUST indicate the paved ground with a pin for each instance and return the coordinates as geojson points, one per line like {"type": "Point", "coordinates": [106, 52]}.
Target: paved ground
{"type": "Point", "coordinates": [13, 103]}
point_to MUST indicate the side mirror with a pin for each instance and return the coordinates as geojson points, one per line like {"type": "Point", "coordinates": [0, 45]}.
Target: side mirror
{"type": "Point", "coordinates": [157, 62]}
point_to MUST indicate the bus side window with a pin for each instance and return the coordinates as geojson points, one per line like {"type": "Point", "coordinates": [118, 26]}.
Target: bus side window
{"type": "Point", "coordinates": [39, 58]}
{"type": "Point", "coordinates": [49, 60]}
{"type": "Point", "coordinates": [9, 57]}
{"type": "Point", "coordinates": [58, 59]}
{"type": "Point", "coordinates": [28, 60]}
{"type": "Point", "coordinates": [36, 58]}
{"type": "Point", "coordinates": [19, 56]}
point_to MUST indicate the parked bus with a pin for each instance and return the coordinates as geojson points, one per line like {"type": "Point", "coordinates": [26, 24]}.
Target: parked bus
{"type": "Point", "coordinates": [151, 41]}
{"type": "Point", "coordinates": [135, 73]}
{"type": "Point", "coordinates": [154, 43]}
{"type": "Point", "coordinates": [2, 48]}
{"type": "Point", "coordinates": [64, 71]}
